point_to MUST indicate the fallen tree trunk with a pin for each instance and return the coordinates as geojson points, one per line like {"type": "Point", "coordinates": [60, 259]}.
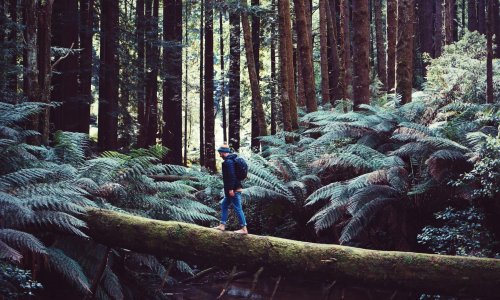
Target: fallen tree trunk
{"type": "Point", "coordinates": [438, 274]}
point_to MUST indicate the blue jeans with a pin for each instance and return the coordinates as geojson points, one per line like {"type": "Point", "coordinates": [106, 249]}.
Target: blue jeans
{"type": "Point", "coordinates": [236, 202]}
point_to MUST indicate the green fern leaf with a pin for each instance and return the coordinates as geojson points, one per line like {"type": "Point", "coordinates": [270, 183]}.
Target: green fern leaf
{"type": "Point", "coordinates": [70, 270]}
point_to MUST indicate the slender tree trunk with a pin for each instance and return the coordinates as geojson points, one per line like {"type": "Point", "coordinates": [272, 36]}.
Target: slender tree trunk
{"type": "Point", "coordinates": [3, 55]}
{"type": "Point", "coordinates": [404, 50]}
{"type": "Point", "coordinates": [186, 84]}
{"type": "Point", "coordinates": [152, 63]}
{"type": "Point", "coordinates": [234, 81]}
{"type": "Point", "coordinates": [202, 96]}
{"type": "Point", "coordinates": [481, 16]}
{"type": "Point", "coordinates": [222, 77]}
{"type": "Point", "coordinates": [273, 72]}
{"type": "Point", "coordinates": [381, 54]}
{"type": "Point", "coordinates": [255, 144]}
{"type": "Point", "coordinates": [12, 37]}
{"type": "Point", "coordinates": [108, 77]}
{"type": "Point", "coordinates": [426, 26]}
{"type": "Point", "coordinates": [448, 20]}
{"type": "Point", "coordinates": [252, 74]}
{"type": "Point", "coordinates": [305, 49]}
{"type": "Point", "coordinates": [361, 52]}
{"type": "Point", "coordinates": [489, 58]}
{"type": "Point", "coordinates": [472, 15]}
{"type": "Point", "coordinates": [391, 43]}
{"type": "Point", "coordinates": [86, 35]}
{"type": "Point", "coordinates": [297, 72]}
{"type": "Point", "coordinates": [454, 11]}
{"type": "Point", "coordinates": [345, 14]}
{"type": "Point", "coordinates": [209, 88]}
{"type": "Point", "coordinates": [141, 73]}
{"type": "Point", "coordinates": [284, 10]}
{"type": "Point", "coordinates": [68, 116]}
{"type": "Point", "coordinates": [286, 89]}
{"type": "Point", "coordinates": [424, 273]}
{"type": "Point", "coordinates": [438, 29]}
{"type": "Point", "coordinates": [338, 57]}
{"type": "Point", "coordinates": [496, 27]}
{"type": "Point", "coordinates": [323, 40]}
{"type": "Point", "coordinates": [172, 82]}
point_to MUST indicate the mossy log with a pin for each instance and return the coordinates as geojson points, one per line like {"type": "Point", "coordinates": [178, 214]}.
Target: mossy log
{"type": "Point", "coordinates": [439, 274]}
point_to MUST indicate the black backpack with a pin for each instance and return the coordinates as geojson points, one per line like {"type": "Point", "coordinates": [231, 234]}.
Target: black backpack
{"type": "Point", "coordinates": [240, 168]}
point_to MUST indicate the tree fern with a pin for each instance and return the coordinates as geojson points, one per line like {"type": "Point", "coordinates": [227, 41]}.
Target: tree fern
{"type": "Point", "coordinates": [9, 253]}
{"type": "Point", "coordinates": [69, 269]}
{"type": "Point", "coordinates": [22, 241]}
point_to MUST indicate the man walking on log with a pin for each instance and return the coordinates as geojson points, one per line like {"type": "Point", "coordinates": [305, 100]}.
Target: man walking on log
{"type": "Point", "coordinates": [232, 190]}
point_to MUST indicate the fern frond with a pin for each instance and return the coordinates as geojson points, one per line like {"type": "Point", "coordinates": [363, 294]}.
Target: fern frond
{"type": "Point", "coordinates": [258, 193]}
{"type": "Point", "coordinates": [442, 143]}
{"type": "Point", "coordinates": [54, 203]}
{"type": "Point", "coordinates": [23, 177]}
{"type": "Point", "coordinates": [477, 140]}
{"type": "Point", "coordinates": [68, 268]}
{"type": "Point", "coordinates": [327, 216]}
{"type": "Point", "coordinates": [7, 252]}
{"type": "Point", "coordinates": [367, 194]}
{"type": "Point", "coordinates": [422, 187]}
{"type": "Point", "coordinates": [184, 267]}
{"type": "Point", "coordinates": [60, 221]}
{"type": "Point", "coordinates": [22, 241]}
{"type": "Point", "coordinates": [70, 147]}
{"type": "Point", "coordinates": [111, 284]}
{"type": "Point", "coordinates": [335, 190]}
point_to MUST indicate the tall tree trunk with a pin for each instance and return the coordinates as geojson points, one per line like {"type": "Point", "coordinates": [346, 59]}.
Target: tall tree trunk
{"type": "Point", "coordinates": [273, 72]}
{"type": "Point", "coordinates": [12, 37]}
{"type": "Point", "coordinates": [286, 89]}
{"type": "Point", "coordinates": [297, 72]}
{"type": "Point", "coordinates": [426, 26]}
{"type": "Point", "coordinates": [424, 273]}
{"type": "Point", "coordinates": [481, 16]}
{"type": "Point", "coordinates": [68, 116]}
{"type": "Point", "coordinates": [345, 15]}
{"type": "Point", "coordinates": [323, 40]}
{"type": "Point", "coordinates": [391, 43]}
{"type": "Point", "coordinates": [255, 144]}
{"type": "Point", "coordinates": [234, 80]}
{"type": "Point", "coordinates": [108, 77]}
{"type": "Point", "coordinates": [3, 55]}
{"type": "Point", "coordinates": [222, 76]}
{"type": "Point", "coordinates": [86, 34]}
{"type": "Point", "coordinates": [252, 74]}
{"type": "Point", "coordinates": [381, 55]}
{"type": "Point", "coordinates": [361, 49]}
{"type": "Point", "coordinates": [172, 82]}
{"type": "Point", "coordinates": [404, 50]}
{"type": "Point", "coordinates": [448, 20]}
{"type": "Point", "coordinates": [496, 26]}
{"type": "Point", "coordinates": [209, 88]}
{"type": "Point", "coordinates": [305, 49]}
{"type": "Point", "coordinates": [152, 63]}
{"type": "Point", "coordinates": [284, 11]}
{"type": "Point", "coordinates": [489, 59]}
{"type": "Point", "coordinates": [141, 73]}
{"type": "Point", "coordinates": [454, 11]}
{"type": "Point", "coordinates": [438, 29]}
{"type": "Point", "coordinates": [336, 68]}
{"type": "Point", "coordinates": [202, 96]}
{"type": "Point", "coordinates": [44, 64]}
{"type": "Point", "coordinates": [187, 112]}
{"type": "Point", "coordinates": [472, 15]}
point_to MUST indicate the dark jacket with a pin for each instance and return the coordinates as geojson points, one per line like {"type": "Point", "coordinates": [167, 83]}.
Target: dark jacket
{"type": "Point", "coordinates": [229, 175]}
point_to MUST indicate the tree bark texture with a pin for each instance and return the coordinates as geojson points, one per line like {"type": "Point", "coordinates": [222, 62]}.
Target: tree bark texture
{"type": "Point", "coordinates": [12, 37]}
{"type": "Point", "coordinates": [234, 80]}
{"type": "Point", "coordinates": [438, 29]}
{"type": "Point", "coordinates": [286, 39]}
{"type": "Point", "coordinates": [141, 71]}
{"type": "Point", "coordinates": [152, 63]}
{"type": "Point", "coordinates": [108, 77]}
{"type": "Point", "coordinates": [489, 56]}
{"type": "Point", "coordinates": [86, 34]}
{"type": "Point", "coordinates": [252, 74]}
{"type": "Point", "coordinates": [404, 50]}
{"type": "Point", "coordinates": [255, 144]}
{"type": "Point", "coordinates": [496, 25]}
{"type": "Point", "coordinates": [434, 274]}
{"type": "Point", "coordinates": [336, 65]}
{"type": "Point", "coordinates": [361, 52]}
{"type": "Point", "coordinates": [381, 55]}
{"type": "Point", "coordinates": [345, 15]}
{"type": "Point", "coordinates": [481, 16]}
{"type": "Point", "coordinates": [209, 88]}
{"type": "Point", "coordinates": [202, 98]}
{"type": "Point", "coordinates": [426, 26]}
{"type": "Point", "coordinates": [273, 73]}
{"type": "Point", "coordinates": [391, 43]}
{"type": "Point", "coordinates": [70, 116]}
{"type": "Point", "coordinates": [323, 40]}
{"type": "Point", "coordinates": [305, 49]}
{"type": "Point", "coordinates": [472, 15]}
{"type": "Point", "coordinates": [286, 89]}
{"type": "Point", "coordinates": [172, 81]}
{"type": "Point", "coordinates": [222, 80]}
{"type": "Point", "coordinates": [448, 20]}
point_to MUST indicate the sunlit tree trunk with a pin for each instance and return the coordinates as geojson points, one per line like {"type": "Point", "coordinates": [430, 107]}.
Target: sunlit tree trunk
{"type": "Point", "coordinates": [152, 66]}
{"type": "Point", "coordinates": [202, 98]}
{"type": "Point", "coordinates": [345, 15]}
{"type": "Point", "coordinates": [252, 74]}
{"type": "Point", "coordinates": [234, 80]}
{"type": "Point", "coordinates": [489, 58]}
{"type": "Point", "coordinates": [438, 29]}
{"type": "Point", "coordinates": [448, 20]}
{"type": "Point", "coordinates": [273, 73]}
{"type": "Point", "coordinates": [85, 76]}
{"type": "Point", "coordinates": [286, 90]}
{"type": "Point", "coordinates": [187, 111]}
{"type": "Point", "coordinates": [141, 72]}
{"type": "Point", "coordinates": [305, 49]}
{"type": "Point", "coordinates": [68, 116]}
{"type": "Point", "coordinates": [404, 50]}
{"type": "Point", "coordinates": [391, 43]}
{"type": "Point", "coordinates": [338, 64]}
{"type": "Point", "coordinates": [472, 15]}
{"type": "Point", "coordinates": [360, 55]}
{"type": "Point", "coordinates": [286, 40]}
{"type": "Point", "coordinates": [323, 39]}
{"type": "Point", "coordinates": [381, 54]}
{"type": "Point", "coordinates": [209, 88]}
{"type": "Point", "coordinates": [172, 82]}
{"type": "Point", "coordinates": [222, 83]}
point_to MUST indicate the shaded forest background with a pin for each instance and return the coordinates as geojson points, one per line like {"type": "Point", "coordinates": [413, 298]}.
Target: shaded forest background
{"type": "Point", "coordinates": [372, 124]}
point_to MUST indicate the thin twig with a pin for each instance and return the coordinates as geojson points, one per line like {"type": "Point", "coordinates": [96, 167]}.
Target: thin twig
{"type": "Point", "coordinates": [224, 290]}
{"type": "Point", "coordinates": [276, 287]}
{"type": "Point", "coordinates": [63, 57]}
{"type": "Point", "coordinates": [164, 280]}
{"type": "Point", "coordinates": [199, 274]}
{"type": "Point", "coordinates": [329, 289]}
{"type": "Point", "coordinates": [255, 280]}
